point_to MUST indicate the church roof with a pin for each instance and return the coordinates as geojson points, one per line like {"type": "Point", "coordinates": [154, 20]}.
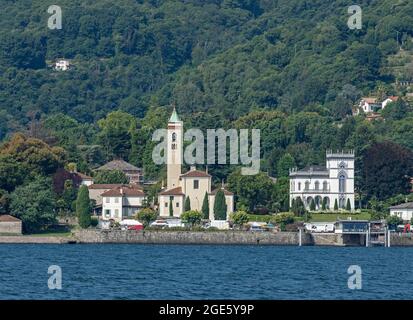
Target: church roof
{"type": "Point", "coordinates": [118, 165]}
{"type": "Point", "coordinates": [195, 173]}
{"type": "Point", "coordinates": [174, 117]}
{"type": "Point", "coordinates": [173, 192]}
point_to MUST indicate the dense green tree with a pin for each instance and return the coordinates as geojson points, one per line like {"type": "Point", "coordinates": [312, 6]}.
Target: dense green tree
{"type": "Point", "coordinates": [284, 165]}
{"type": "Point", "coordinates": [312, 205]}
{"type": "Point", "coordinates": [110, 176]}
{"type": "Point", "coordinates": [387, 170]}
{"type": "Point", "coordinates": [34, 204]}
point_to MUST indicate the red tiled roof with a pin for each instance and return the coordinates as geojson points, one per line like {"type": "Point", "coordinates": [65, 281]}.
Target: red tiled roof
{"type": "Point", "coordinates": [226, 192]}
{"type": "Point", "coordinates": [84, 176]}
{"type": "Point", "coordinates": [173, 192]}
{"type": "Point", "coordinates": [8, 218]}
{"type": "Point", "coordinates": [195, 173]}
{"type": "Point", "coordinates": [113, 186]}
{"type": "Point", "coordinates": [124, 191]}
{"type": "Point", "coordinates": [369, 99]}
{"type": "Point", "coordinates": [119, 165]}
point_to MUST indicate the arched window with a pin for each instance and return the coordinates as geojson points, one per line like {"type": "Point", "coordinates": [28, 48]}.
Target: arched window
{"type": "Point", "coordinates": [325, 186]}
{"type": "Point", "coordinates": [307, 185]}
{"type": "Point", "coordinates": [317, 185]}
{"type": "Point", "coordinates": [173, 137]}
{"type": "Point", "coordinates": [342, 183]}
{"type": "Point", "coordinates": [342, 165]}
{"type": "Point", "coordinates": [299, 186]}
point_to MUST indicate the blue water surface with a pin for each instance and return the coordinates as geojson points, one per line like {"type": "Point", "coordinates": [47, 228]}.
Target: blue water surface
{"type": "Point", "coordinates": [122, 271]}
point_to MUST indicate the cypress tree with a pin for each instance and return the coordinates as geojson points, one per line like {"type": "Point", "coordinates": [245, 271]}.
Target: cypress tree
{"type": "Point", "coordinates": [205, 207]}
{"type": "Point", "coordinates": [220, 207]}
{"type": "Point", "coordinates": [324, 204]}
{"type": "Point", "coordinates": [293, 207]}
{"type": "Point", "coordinates": [335, 205]}
{"type": "Point", "coordinates": [187, 206]}
{"type": "Point", "coordinates": [171, 209]}
{"type": "Point", "coordinates": [348, 205]}
{"type": "Point", "coordinates": [83, 207]}
{"type": "Point", "coordinates": [312, 205]}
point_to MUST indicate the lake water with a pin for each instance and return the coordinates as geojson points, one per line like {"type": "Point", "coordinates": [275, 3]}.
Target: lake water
{"type": "Point", "coordinates": [204, 272]}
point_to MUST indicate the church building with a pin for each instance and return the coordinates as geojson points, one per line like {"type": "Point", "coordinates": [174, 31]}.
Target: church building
{"type": "Point", "coordinates": [193, 184]}
{"type": "Point", "coordinates": [331, 184]}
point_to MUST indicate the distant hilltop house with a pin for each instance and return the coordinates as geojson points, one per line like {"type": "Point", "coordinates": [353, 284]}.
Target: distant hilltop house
{"type": "Point", "coordinates": [193, 184]}
{"type": "Point", "coordinates": [403, 211]}
{"type": "Point", "coordinates": [134, 174]}
{"type": "Point", "coordinates": [84, 179]}
{"type": "Point", "coordinates": [331, 184]}
{"type": "Point", "coordinates": [116, 201]}
{"type": "Point", "coordinates": [372, 105]}
{"type": "Point", "coordinates": [62, 65]}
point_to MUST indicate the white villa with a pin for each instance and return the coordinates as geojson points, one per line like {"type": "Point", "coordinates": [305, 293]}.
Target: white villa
{"type": "Point", "coordinates": [371, 105]}
{"type": "Point", "coordinates": [122, 202]}
{"type": "Point", "coordinates": [193, 184]}
{"type": "Point", "coordinates": [62, 65]}
{"type": "Point", "coordinates": [334, 182]}
{"type": "Point", "coordinates": [403, 211]}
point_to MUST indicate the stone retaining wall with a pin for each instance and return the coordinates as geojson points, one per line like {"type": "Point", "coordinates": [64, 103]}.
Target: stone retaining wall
{"type": "Point", "coordinates": [190, 237]}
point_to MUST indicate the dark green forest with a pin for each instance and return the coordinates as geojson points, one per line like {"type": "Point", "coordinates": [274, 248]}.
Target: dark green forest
{"type": "Point", "coordinates": [291, 68]}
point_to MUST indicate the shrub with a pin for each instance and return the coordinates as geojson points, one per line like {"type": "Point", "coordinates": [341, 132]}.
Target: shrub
{"type": "Point", "coordinates": [192, 217]}
{"type": "Point", "coordinates": [239, 218]}
{"type": "Point", "coordinates": [146, 216]}
{"type": "Point", "coordinates": [94, 221]}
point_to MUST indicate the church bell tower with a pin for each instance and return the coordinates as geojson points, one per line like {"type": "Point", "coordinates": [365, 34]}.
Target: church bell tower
{"type": "Point", "coordinates": [174, 150]}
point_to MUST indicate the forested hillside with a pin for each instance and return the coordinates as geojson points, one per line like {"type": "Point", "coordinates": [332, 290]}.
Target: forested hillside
{"type": "Point", "coordinates": [291, 68]}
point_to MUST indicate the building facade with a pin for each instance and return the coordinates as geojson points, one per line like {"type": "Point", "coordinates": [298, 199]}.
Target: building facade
{"type": "Point", "coordinates": [122, 202]}
{"type": "Point", "coordinates": [134, 174]}
{"type": "Point", "coordinates": [194, 184]}
{"type": "Point", "coordinates": [403, 211]}
{"type": "Point", "coordinates": [332, 184]}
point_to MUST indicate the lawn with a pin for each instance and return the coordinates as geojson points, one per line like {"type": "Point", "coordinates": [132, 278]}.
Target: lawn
{"type": "Point", "coordinates": [326, 217]}
{"type": "Point", "coordinates": [50, 234]}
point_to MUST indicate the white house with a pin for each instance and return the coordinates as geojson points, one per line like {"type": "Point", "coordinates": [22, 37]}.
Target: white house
{"type": "Point", "coordinates": [62, 65]}
{"type": "Point", "coordinates": [404, 211]}
{"type": "Point", "coordinates": [122, 202]}
{"type": "Point", "coordinates": [389, 100]}
{"type": "Point", "coordinates": [194, 184]}
{"type": "Point", "coordinates": [332, 183]}
{"type": "Point", "coordinates": [369, 104]}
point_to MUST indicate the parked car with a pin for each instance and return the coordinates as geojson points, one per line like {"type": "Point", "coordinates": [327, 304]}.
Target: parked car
{"type": "Point", "coordinates": [256, 228]}
{"type": "Point", "coordinates": [159, 224]}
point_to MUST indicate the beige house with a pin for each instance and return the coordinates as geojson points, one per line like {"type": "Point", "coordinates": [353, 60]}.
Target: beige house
{"type": "Point", "coordinates": [193, 184]}
{"type": "Point", "coordinates": [10, 225]}
{"type": "Point", "coordinates": [122, 202]}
